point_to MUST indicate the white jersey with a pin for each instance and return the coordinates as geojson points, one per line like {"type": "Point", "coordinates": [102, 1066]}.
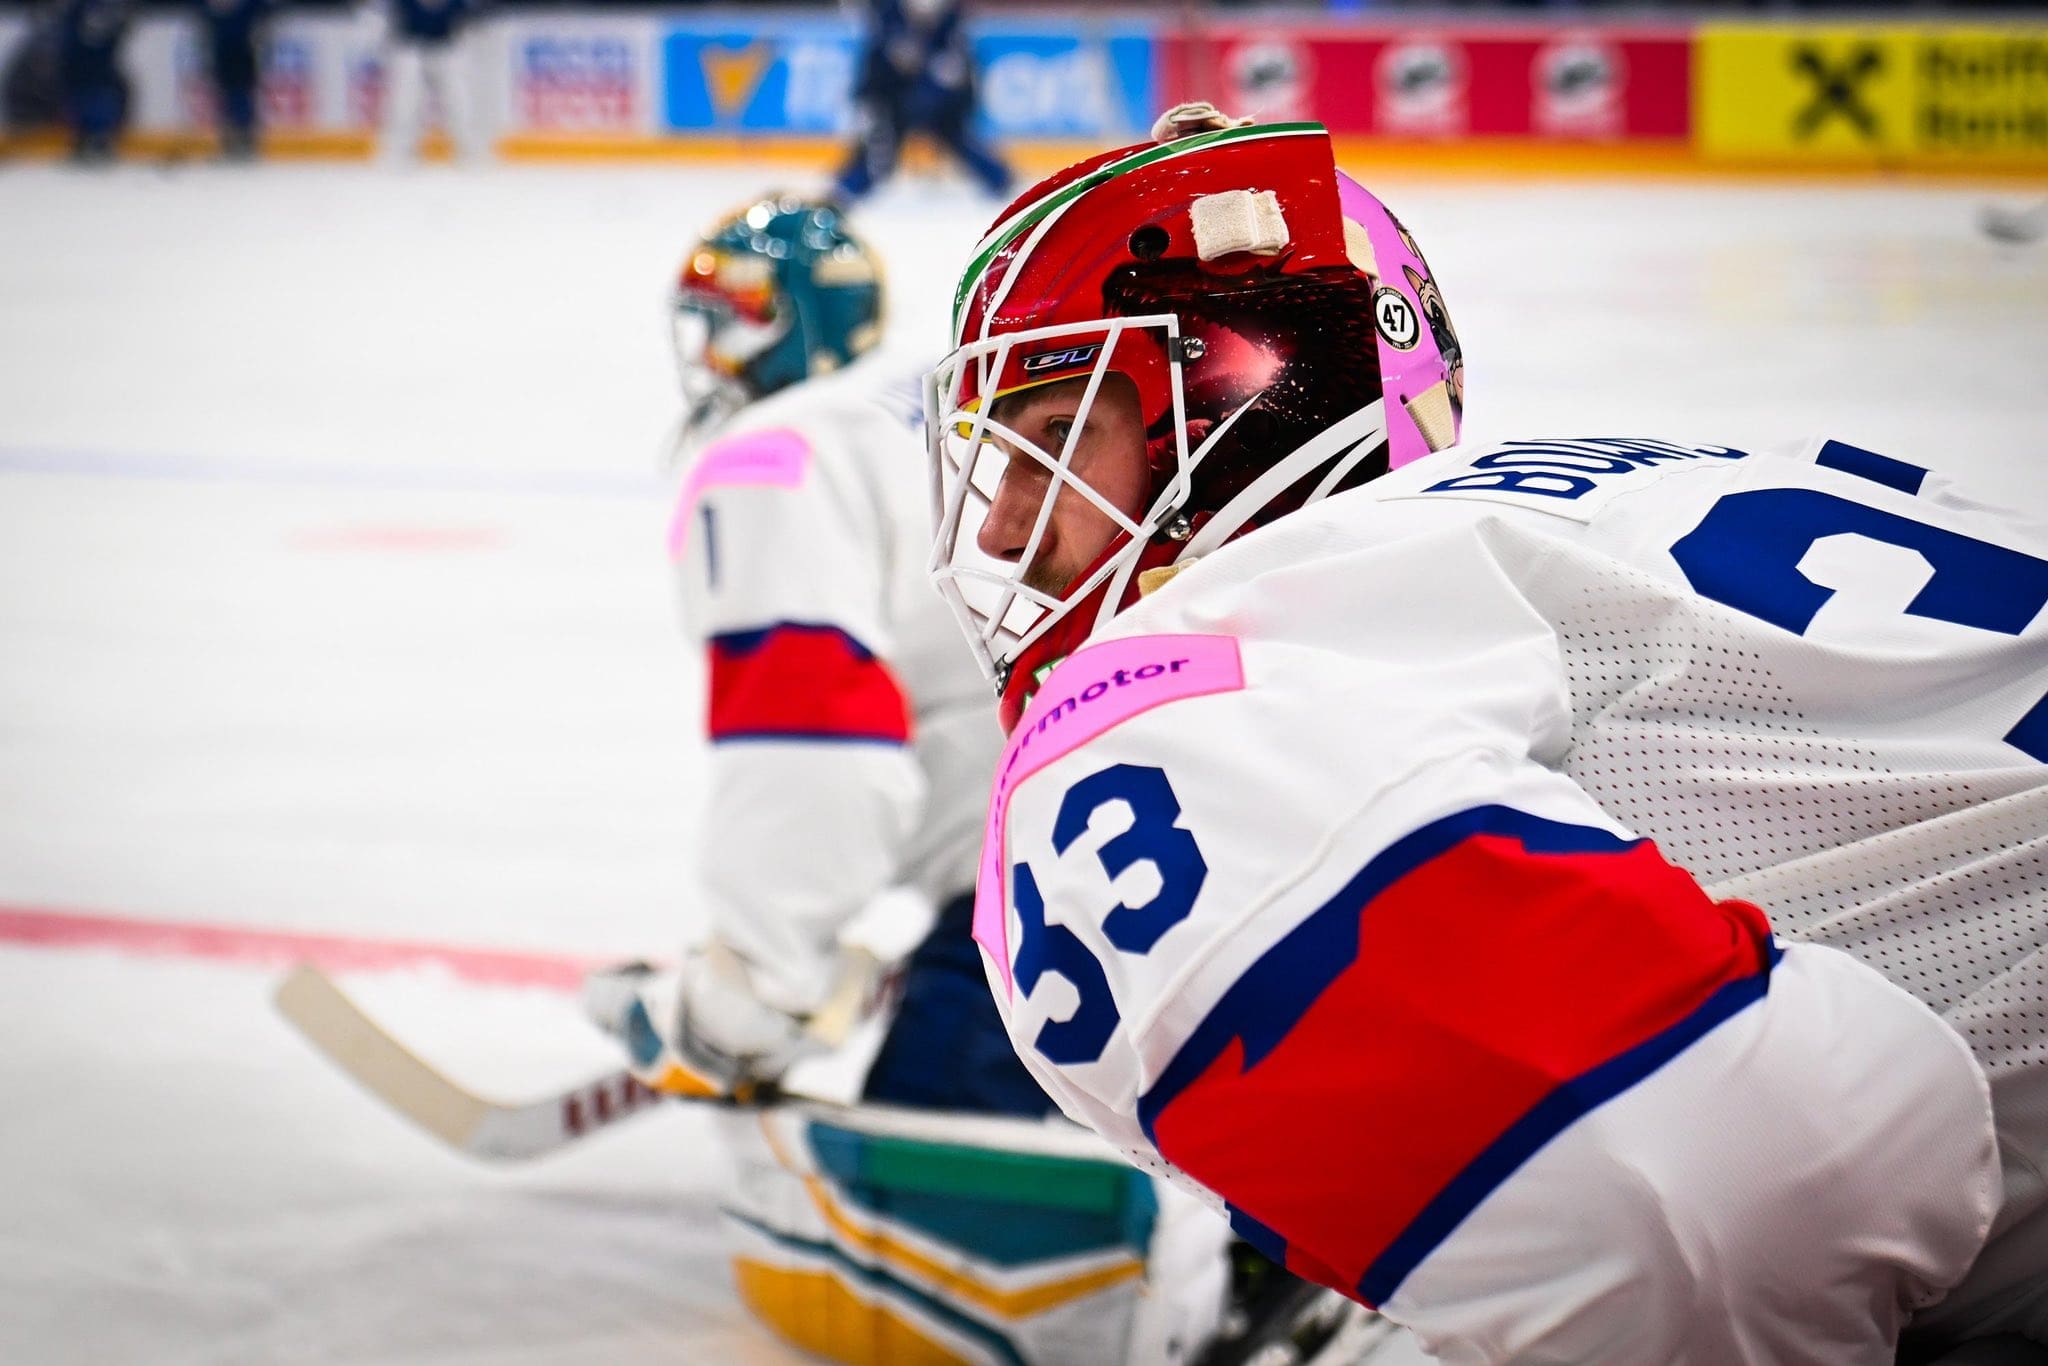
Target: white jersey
{"type": "Point", "coordinates": [1404, 875]}
{"type": "Point", "coordinates": [851, 738]}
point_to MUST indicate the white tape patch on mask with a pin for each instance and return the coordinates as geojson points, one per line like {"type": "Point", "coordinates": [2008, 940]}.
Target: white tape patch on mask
{"type": "Point", "coordinates": [1238, 220]}
{"type": "Point", "coordinates": [1358, 249]}
{"type": "Point", "coordinates": [1192, 117]}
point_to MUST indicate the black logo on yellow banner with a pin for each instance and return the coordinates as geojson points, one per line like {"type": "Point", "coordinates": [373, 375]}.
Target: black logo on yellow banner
{"type": "Point", "coordinates": [1837, 89]}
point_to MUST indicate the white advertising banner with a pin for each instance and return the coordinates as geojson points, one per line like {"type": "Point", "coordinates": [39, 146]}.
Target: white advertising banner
{"type": "Point", "coordinates": [324, 74]}
{"type": "Point", "coordinates": [574, 73]}
{"type": "Point", "coordinates": [320, 74]}
{"type": "Point", "coordinates": [545, 74]}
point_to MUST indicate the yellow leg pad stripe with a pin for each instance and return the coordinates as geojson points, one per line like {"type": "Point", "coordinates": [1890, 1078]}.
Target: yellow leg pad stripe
{"type": "Point", "coordinates": [815, 1312]}
{"type": "Point", "coordinates": [1009, 1304]}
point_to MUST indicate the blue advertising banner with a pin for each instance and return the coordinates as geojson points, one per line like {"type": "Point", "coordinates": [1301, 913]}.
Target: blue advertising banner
{"type": "Point", "coordinates": [1041, 81]}
{"type": "Point", "coordinates": [796, 76]}
{"type": "Point", "coordinates": [791, 76]}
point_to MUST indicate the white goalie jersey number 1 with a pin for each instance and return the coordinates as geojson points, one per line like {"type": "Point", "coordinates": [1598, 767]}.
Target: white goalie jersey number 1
{"type": "Point", "coordinates": [1155, 837]}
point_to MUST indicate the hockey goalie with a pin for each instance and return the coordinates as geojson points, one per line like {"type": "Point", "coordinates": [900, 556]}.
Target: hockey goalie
{"type": "Point", "coordinates": [950, 1215]}
{"type": "Point", "coordinates": [1585, 897]}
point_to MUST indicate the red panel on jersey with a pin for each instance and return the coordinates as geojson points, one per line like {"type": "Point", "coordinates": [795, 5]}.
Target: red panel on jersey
{"type": "Point", "coordinates": [793, 681]}
{"type": "Point", "coordinates": [1496, 994]}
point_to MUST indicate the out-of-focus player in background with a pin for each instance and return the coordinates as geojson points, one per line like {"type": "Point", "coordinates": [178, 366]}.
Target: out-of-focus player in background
{"type": "Point", "coordinates": [234, 33]}
{"type": "Point", "coordinates": [95, 88]}
{"type": "Point", "coordinates": [851, 746]}
{"type": "Point", "coordinates": [426, 55]}
{"type": "Point", "coordinates": [916, 76]}
{"type": "Point", "coordinates": [1585, 897]}
{"type": "Point", "coordinates": [849, 741]}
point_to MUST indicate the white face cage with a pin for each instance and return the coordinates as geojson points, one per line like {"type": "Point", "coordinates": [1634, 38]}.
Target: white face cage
{"type": "Point", "coordinates": [712, 347]}
{"type": "Point", "coordinates": [1000, 613]}
{"type": "Point", "coordinates": [708, 335]}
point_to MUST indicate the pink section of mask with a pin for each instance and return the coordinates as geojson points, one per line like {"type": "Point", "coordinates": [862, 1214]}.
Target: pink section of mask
{"type": "Point", "coordinates": [1403, 374]}
{"type": "Point", "coordinates": [1089, 693]}
{"type": "Point", "coordinates": [775, 458]}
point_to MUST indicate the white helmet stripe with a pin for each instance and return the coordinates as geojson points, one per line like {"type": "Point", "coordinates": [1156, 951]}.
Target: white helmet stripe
{"type": "Point", "coordinates": [1016, 264]}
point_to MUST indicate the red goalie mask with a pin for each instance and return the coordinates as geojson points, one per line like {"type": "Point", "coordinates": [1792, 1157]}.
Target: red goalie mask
{"type": "Point", "coordinates": [1283, 335]}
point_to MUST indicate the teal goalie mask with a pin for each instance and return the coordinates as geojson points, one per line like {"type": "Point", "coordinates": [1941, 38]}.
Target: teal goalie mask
{"type": "Point", "coordinates": [773, 294]}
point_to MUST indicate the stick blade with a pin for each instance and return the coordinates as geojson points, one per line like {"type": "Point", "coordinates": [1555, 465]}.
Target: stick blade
{"type": "Point", "coordinates": [387, 1069]}
{"type": "Point", "coordinates": [463, 1120]}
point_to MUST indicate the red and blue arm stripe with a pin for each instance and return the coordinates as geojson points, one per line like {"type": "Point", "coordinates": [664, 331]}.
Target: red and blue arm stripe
{"type": "Point", "coordinates": [796, 680]}
{"type": "Point", "coordinates": [1468, 995]}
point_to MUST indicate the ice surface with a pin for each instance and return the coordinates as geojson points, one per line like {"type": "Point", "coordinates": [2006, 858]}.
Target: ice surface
{"type": "Point", "coordinates": [332, 598]}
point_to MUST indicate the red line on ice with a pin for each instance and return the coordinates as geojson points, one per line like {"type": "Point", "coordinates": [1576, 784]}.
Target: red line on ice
{"type": "Point", "coordinates": [43, 928]}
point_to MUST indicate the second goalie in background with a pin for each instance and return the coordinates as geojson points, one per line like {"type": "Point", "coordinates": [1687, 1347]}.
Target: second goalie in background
{"type": "Point", "coordinates": [851, 744]}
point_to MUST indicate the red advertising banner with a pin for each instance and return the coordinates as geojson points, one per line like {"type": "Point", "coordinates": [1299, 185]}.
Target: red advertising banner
{"type": "Point", "coordinates": [1581, 84]}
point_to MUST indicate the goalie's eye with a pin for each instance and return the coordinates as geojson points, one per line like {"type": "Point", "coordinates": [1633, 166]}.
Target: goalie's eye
{"type": "Point", "coordinates": [1059, 429]}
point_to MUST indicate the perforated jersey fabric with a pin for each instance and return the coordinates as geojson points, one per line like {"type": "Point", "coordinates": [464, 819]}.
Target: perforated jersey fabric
{"type": "Point", "coordinates": [1875, 820]}
{"type": "Point", "coordinates": [1929, 866]}
{"type": "Point", "coordinates": [1677, 701]}
{"type": "Point", "coordinates": [1952, 909]}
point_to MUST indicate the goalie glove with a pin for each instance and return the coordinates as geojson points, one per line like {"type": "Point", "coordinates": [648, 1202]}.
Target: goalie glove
{"type": "Point", "coordinates": [702, 1030]}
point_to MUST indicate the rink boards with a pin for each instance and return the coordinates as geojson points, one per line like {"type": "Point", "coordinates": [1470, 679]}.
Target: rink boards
{"type": "Point", "coordinates": [698, 83]}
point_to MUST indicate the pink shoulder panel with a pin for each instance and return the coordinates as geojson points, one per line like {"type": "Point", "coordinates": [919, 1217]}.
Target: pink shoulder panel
{"type": "Point", "coordinates": [1090, 692]}
{"type": "Point", "coordinates": [777, 457]}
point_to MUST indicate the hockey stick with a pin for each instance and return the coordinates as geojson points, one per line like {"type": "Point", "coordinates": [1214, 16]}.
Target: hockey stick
{"type": "Point", "coordinates": [2007, 224]}
{"type": "Point", "coordinates": [512, 1131]}
{"type": "Point", "coordinates": [499, 1131]}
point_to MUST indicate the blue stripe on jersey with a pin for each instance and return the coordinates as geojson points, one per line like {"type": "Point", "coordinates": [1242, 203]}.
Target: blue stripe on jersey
{"type": "Point", "coordinates": [1270, 1244]}
{"type": "Point", "coordinates": [1552, 1116]}
{"type": "Point", "coordinates": [2030, 736]}
{"type": "Point", "coordinates": [1878, 469]}
{"type": "Point", "coordinates": [754, 637]}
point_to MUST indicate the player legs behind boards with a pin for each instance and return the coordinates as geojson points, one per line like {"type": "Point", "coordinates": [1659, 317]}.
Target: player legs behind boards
{"type": "Point", "coordinates": [427, 64]}
{"type": "Point", "coordinates": [420, 77]}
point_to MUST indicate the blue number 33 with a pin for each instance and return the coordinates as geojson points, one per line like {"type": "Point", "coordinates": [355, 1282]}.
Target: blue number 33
{"type": "Point", "coordinates": [1155, 837]}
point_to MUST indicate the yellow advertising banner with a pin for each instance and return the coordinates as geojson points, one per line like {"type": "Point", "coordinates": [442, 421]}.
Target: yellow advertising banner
{"type": "Point", "coordinates": [1872, 95]}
